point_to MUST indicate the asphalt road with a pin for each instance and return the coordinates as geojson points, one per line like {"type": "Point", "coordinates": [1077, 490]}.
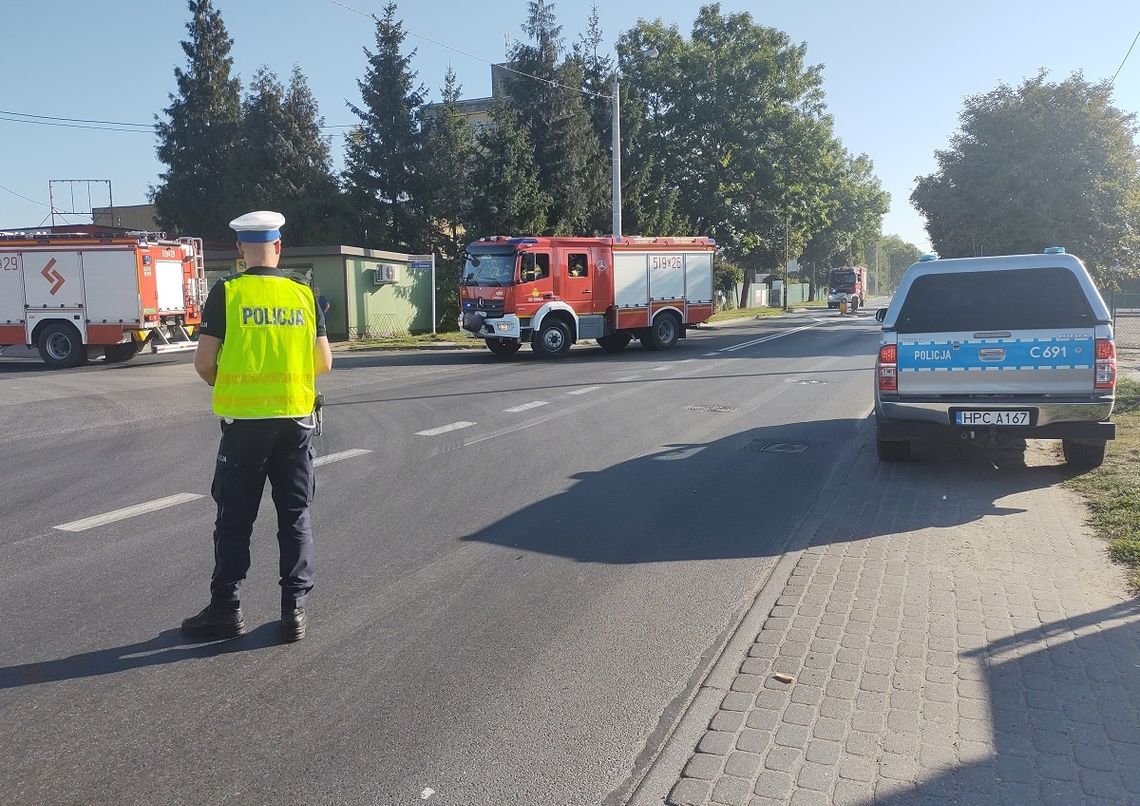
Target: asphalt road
{"type": "Point", "coordinates": [510, 608]}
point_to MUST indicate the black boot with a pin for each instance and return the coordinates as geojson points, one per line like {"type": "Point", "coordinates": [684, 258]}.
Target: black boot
{"type": "Point", "coordinates": [293, 624]}
{"type": "Point", "coordinates": [215, 622]}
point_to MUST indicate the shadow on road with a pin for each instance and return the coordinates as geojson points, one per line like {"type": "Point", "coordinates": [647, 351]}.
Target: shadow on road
{"type": "Point", "coordinates": [1064, 699]}
{"type": "Point", "coordinates": [169, 646]}
{"type": "Point", "coordinates": [652, 508]}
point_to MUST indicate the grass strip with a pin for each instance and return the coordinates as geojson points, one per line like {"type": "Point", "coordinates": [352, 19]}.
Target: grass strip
{"type": "Point", "coordinates": [1113, 489]}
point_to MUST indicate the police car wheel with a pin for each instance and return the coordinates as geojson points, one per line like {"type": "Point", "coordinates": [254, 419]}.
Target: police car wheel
{"type": "Point", "coordinates": [1083, 454]}
{"type": "Point", "coordinates": [61, 346]}
{"type": "Point", "coordinates": [503, 346]}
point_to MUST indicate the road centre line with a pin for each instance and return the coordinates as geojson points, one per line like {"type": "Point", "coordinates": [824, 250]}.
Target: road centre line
{"type": "Point", "coordinates": [534, 404]}
{"type": "Point", "coordinates": [662, 368]}
{"type": "Point", "coordinates": [128, 512]}
{"type": "Point", "coordinates": [626, 378]}
{"type": "Point", "coordinates": [336, 457]}
{"type": "Point", "coordinates": [443, 429]}
{"type": "Point", "coordinates": [584, 390]}
{"type": "Point", "coordinates": [763, 339]}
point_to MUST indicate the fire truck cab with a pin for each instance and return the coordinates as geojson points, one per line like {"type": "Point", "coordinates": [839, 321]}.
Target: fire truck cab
{"type": "Point", "coordinates": [552, 292]}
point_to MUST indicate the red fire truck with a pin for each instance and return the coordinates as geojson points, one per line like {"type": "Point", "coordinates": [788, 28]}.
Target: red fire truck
{"type": "Point", "coordinates": [847, 284]}
{"type": "Point", "coordinates": [74, 294]}
{"type": "Point", "coordinates": [552, 292]}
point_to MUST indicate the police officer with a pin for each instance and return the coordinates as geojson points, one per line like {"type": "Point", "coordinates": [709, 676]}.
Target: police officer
{"type": "Point", "coordinates": [261, 345]}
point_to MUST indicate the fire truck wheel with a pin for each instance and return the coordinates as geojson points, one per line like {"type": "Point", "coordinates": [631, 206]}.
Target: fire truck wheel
{"type": "Point", "coordinates": [552, 340]}
{"type": "Point", "coordinates": [117, 353]}
{"type": "Point", "coordinates": [61, 346]}
{"type": "Point", "coordinates": [664, 333]}
{"type": "Point", "coordinates": [614, 342]}
{"type": "Point", "coordinates": [503, 346]}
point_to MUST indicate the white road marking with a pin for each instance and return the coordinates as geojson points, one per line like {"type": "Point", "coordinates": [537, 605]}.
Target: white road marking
{"type": "Point", "coordinates": [534, 404]}
{"type": "Point", "coordinates": [626, 378]}
{"type": "Point", "coordinates": [763, 339]}
{"type": "Point", "coordinates": [128, 512]}
{"type": "Point", "coordinates": [336, 457]}
{"type": "Point", "coordinates": [443, 429]}
{"type": "Point", "coordinates": [661, 368]}
{"type": "Point", "coordinates": [502, 432]}
{"type": "Point", "coordinates": [427, 793]}
{"type": "Point", "coordinates": [707, 355]}
{"type": "Point", "coordinates": [584, 390]}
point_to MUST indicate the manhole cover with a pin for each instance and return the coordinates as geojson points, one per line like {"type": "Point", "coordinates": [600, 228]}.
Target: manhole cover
{"type": "Point", "coordinates": [711, 409]}
{"type": "Point", "coordinates": [806, 381]}
{"type": "Point", "coordinates": [784, 448]}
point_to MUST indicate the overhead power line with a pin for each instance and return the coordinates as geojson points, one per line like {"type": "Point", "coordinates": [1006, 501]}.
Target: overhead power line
{"type": "Point", "coordinates": [74, 120]}
{"type": "Point", "coordinates": [25, 198]}
{"type": "Point", "coordinates": [104, 125]}
{"type": "Point", "coordinates": [469, 55]}
{"type": "Point", "coordinates": [74, 125]}
{"type": "Point", "coordinates": [1126, 55]}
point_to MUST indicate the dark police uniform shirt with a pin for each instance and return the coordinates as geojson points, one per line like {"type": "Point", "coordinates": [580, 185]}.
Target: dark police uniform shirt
{"type": "Point", "coordinates": [214, 314]}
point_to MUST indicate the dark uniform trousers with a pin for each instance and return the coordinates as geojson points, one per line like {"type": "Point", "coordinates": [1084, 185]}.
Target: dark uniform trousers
{"type": "Point", "coordinates": [251, 451]}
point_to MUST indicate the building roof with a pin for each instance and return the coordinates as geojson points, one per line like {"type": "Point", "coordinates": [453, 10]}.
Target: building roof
{"type": "Point", "coordinates": [314, 251]}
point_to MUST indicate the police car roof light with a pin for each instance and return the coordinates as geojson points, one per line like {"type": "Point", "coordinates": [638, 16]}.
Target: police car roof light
{"type": "Point", "coordinates": [1054, 250]}
{"type": "Point", "coordinates": [927, 258]}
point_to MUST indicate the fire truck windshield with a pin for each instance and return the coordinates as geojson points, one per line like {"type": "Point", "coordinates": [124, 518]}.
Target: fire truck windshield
{"type": "Point", "coordinates": [842, 280]}
{"type": "Point", "coordinates": [490, 269]}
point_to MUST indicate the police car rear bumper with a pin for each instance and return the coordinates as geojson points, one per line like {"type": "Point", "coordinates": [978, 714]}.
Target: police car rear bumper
{"type": "Point", "coordinates": [1053, 419]}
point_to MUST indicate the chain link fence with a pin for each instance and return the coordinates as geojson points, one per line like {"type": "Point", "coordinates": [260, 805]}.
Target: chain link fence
{"type": "Point", "coordinates": [379, 326]}
{"type": "Point", "coordinates": [1126, 320]}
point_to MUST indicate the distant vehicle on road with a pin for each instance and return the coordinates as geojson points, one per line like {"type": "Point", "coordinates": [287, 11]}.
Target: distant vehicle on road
{"type": "Point", "coordinates": [552, 292]}
{"type": "Point", "coordinates": [1017, 345]}
{"type": "Point", "coordinates": [847, 284]}
{"type": "Point", "coordinates": [74, 294]}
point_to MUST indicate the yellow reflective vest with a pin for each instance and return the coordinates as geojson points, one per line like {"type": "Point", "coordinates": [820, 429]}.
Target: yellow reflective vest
{"type": "Point", "coordinates": [265, 368]}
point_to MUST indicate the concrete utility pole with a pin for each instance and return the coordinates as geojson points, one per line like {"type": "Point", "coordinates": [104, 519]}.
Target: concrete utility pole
{"type": "Point", "coordinates": [787, 254]}
{"type": "Point", "coordinates": [616, 167]}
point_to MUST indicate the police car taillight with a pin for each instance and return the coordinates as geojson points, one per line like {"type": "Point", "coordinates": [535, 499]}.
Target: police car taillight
{"type": "Point", "coordinates": [887, 368]}
{"type": "Point", "coordinates": [1105, 364]}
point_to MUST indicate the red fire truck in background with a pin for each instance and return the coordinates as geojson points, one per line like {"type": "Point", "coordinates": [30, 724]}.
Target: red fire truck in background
{"type": "Point", "coordinates": [75, 294]}
{"type": "Point", "coordinates": [847, 284]}
{"type": "Point", "coordinates": [552, 292]}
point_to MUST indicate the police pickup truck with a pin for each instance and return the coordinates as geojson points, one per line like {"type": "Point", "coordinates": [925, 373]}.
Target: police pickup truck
{"type": "Point", "coordinates": [992, 347]}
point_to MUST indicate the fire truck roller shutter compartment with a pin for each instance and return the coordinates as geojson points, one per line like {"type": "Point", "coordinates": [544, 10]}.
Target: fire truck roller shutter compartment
{"type": "Point", "coordinates": [53, 279]}
{"type": "Point", "coordinates": [667, 276]}
{"type": "Point", "coordinates": [631, 280]}
{"type": "Point", "coordinates": [698, 277]}
{"type": "Point", "coordinates": [11, 298]}
{"type": "Point", "coordinates": [168, 279]}
{"type": "Point", "coordinates": [111, 285]}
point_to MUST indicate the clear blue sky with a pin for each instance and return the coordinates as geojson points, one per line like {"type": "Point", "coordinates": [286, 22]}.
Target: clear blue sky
{"type": "Point", "coordinates": [895, 71]}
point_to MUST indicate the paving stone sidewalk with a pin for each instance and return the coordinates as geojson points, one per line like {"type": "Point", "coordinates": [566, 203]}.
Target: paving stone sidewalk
{"type": "Point", "coordinates": [954, 634]}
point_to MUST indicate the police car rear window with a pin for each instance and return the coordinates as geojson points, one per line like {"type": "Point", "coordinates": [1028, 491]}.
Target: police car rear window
{"type": "Point", "coordinates": [1018, 299]}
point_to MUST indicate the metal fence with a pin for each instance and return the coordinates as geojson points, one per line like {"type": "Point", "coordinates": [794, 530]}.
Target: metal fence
{"type": "Point", "coordinates": [1126, 319]}
{"type": "Point", "coordinates": [379, 326]}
